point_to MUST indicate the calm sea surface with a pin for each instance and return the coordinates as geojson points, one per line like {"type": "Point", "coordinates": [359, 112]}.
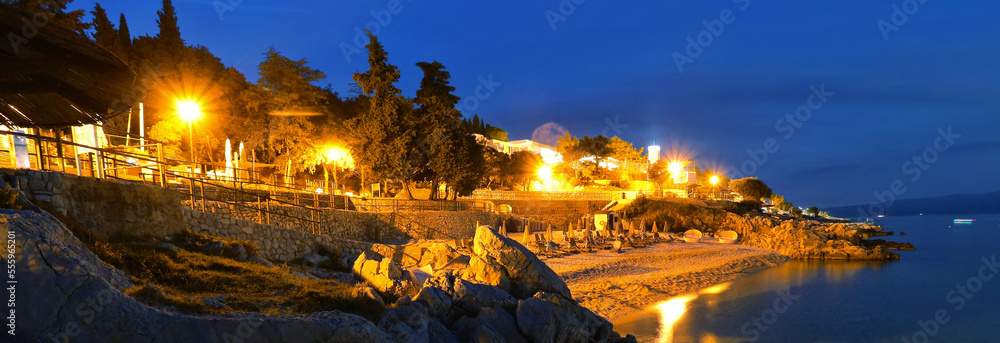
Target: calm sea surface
{"type": "Point", "coordinates": [946, 291]}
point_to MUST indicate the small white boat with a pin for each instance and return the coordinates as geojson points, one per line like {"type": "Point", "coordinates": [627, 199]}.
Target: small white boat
{"type": "Point", "coordinates": [693, 236]}
{"type": "Point", "coordinates": [728, 237]}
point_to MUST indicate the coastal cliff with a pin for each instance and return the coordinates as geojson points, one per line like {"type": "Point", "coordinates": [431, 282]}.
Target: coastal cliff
{"type": "Point", "coordinates": [799, 238]}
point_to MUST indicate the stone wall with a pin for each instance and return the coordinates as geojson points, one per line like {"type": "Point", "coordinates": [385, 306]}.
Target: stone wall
{"type": "Point", "coordinates": [105, 207]}
{"type": "Point", "coordinates": [274, 243]}
{"type": "Point", "coordinates": [367, 226]}
{"type": "Point", "coordinates": [559, 213]}
{"type": "Point", "coordinates": [334, 223]}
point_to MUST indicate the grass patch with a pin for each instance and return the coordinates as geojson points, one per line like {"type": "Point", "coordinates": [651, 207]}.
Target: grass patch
{"type": "Point", "coordinates": [182, 279]}
{"type": "Point", "coordinates": [211, 245]}
{"type": "Point", "coordinates": [9, 198]}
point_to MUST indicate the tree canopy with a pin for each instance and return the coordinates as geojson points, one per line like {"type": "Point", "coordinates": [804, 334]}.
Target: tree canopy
{"type": "Point", "coordinates": [750, 188]}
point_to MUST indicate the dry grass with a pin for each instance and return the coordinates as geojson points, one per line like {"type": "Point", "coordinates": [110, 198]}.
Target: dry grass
{"type": "Point", "coordinates": [182, 280]}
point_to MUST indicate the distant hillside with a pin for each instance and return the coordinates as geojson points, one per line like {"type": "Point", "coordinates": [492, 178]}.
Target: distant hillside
{"type": "Point", "coordinates": [949, 204]}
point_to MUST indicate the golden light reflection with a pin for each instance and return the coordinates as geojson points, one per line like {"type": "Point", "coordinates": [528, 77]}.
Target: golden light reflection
{"type": "Point", "coordinates": [722, 287]}
{"type": "Point", "coordinates": [672, 311]}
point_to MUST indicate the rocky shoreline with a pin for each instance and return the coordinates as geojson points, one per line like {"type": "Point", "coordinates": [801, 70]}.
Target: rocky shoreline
{"type": "Point", "coordinates": [798, 238]}
{"type": "Point", "coordinates": [500, 293]}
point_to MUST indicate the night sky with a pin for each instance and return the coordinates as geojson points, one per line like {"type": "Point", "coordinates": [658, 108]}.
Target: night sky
{"type": "Point", "coordinates": [603, 67]}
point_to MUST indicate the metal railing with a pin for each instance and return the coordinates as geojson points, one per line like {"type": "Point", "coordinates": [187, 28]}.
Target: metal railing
{"type": "Point", "coordinates": [238, 187]}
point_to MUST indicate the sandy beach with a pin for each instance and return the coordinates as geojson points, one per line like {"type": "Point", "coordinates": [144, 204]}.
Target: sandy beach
{"type": "Point", "coordinates": [615, 284]}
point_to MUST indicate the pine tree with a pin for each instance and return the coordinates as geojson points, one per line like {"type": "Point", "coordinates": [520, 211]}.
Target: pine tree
{"type": "Point", "coordinates": [104, 31]}
{"type": "Point", "coordinates": [170, 33]}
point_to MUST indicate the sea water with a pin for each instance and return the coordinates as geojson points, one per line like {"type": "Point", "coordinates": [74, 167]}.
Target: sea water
{"type": "Point", "coordinates": [948, 290]}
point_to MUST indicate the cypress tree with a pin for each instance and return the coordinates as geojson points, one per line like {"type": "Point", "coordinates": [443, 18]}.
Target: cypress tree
{"type": "Point", "coordinates": [124, 37]}
{"type": "Point", "coordinates": [170, 33]}
{"type": "Point", "coordinates": [104, 31]}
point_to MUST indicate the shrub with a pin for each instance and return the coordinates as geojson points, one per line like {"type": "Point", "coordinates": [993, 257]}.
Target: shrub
{"type": "Point", "coordinates": [750, 205]}
{"type": "Point", "coordinates": [750, 188]}
{"type": "Point", "coordinates": [9, 198]}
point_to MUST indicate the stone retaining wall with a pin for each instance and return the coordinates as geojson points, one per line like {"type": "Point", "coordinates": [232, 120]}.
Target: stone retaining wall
{"type": "Point", "coordinates": [367, 226]}
{"type": "Point", "coordinates": [275, 243]}
{"type": "Point", "coordinates": [105, 207]}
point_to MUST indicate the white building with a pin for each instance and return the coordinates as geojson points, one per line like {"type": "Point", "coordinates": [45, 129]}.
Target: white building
{"type": "Point", "coordinates": [549, 153]}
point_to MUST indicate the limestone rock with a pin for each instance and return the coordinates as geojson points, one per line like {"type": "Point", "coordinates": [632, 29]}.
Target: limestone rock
{"type": "Point", "coordinates": [521, 265]}
{"type": "Point", "coordinates": [549, 318]}
{"type": "Point", "coordinates": [65, 275]}
{"type": "Point", "coordinates": [488, 273]}
{"type": "Point", "coordinates": [502, 322]}
{"type": "Point", "coordinates": [411, 323]}
{"type": "Point", "coordinates": [383, 274]}
{"type": "Point", "coordinates": [469, 296]}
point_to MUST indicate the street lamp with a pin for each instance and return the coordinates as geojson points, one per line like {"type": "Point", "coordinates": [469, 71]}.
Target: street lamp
{"type": "Point", "coordinates": [338, 157]}
{"type": "Point", "coordinates": [190, 111]}
{"type": "Point", "coordinates": [714, 180]}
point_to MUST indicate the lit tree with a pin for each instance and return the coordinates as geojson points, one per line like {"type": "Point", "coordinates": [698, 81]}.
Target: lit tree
{"type": "Point", "coordinates": [291, 95]}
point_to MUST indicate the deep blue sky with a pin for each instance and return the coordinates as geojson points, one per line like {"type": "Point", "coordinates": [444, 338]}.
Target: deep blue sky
{"type": "Point", "coordinates": [612, 62]}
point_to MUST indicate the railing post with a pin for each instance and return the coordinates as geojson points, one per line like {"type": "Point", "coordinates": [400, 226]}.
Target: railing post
{"type": "Point", "coordinates": [201, 185]}
{"type": "Point", "coordinates": [161, 165]}
{"type": "Point", "coordinates": [38, 149]}
{"type": "Point", "coordinates": [260, 213]}
{"type": "Point", "coordinates": [268, 204]}
{"type": "Point", "coordinates": [99, 163]}
{"type": "Point", "coordinates": [79, 168]}
{"type": "Point", "coordinates": [59, 150]}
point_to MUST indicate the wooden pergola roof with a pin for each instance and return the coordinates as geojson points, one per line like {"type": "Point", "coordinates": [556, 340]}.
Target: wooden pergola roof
{"type": "Point", "coordinates": [56, 77]}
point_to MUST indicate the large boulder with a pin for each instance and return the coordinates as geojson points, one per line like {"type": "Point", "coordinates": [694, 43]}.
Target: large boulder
{"type": "Point", "coordinates": [487, 272]}
{"type": "Point", "coordinates": [468, 296]}
{"type": "Point", "coordinates": [385, 275]}
{"type": "Point", "coordinates": [411, 323]}
{"type": "Point", "coordinates": [522, 266]}
{"type": "Point", "coordinates": [63, 274]}
{"type": "Point", "coordinates": [503, 323]}
{"type": "Point", "coordinates": [548, 317]}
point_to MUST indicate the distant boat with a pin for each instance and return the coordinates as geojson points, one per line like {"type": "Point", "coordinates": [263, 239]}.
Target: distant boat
{"type": "Point", "coordinates": [964, 221]}
{"type": "Point", "coordinates": [693, 236]}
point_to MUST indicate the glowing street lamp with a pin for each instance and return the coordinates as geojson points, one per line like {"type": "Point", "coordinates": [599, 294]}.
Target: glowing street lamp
{"type": "Point", "coordinates": [190, 111]}
{"type": "Point", "coordinates": [545, 174]}
{"type": "Point", "coordinates": [714, 180]}
{"type": "Point", "coordinates": [339, 157]}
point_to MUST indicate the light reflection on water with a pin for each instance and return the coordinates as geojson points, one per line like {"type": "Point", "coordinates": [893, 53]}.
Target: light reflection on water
{"type": "Point", "coordinates": [843, 301]}
{"type": "Point", "coordinates": [680, 318]}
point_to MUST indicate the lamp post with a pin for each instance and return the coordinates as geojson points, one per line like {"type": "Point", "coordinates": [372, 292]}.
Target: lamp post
{"type": "Point", "coordinates": [190, 111]}
{"type": "Point", "coordinates": [714, 180]}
